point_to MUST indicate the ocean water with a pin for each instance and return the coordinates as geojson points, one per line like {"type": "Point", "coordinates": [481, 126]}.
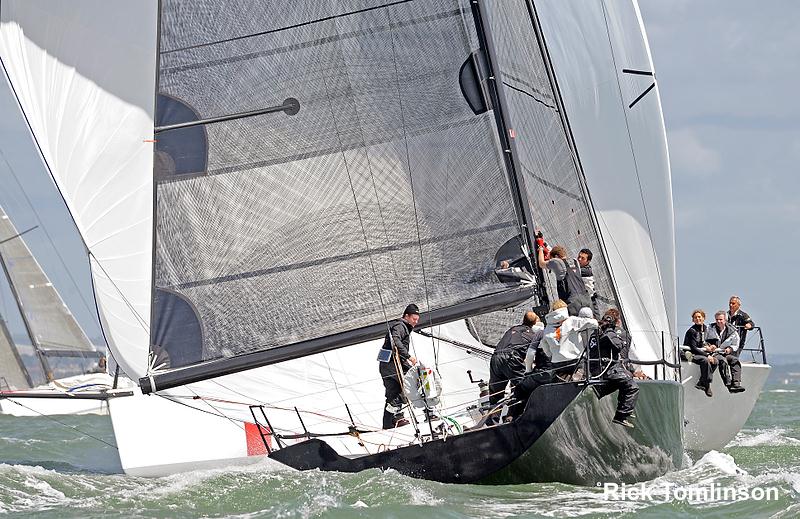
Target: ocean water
{"type": "Point", "coordinates": [49, 469]}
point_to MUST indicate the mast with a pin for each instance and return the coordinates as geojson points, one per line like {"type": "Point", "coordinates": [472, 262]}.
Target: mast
{"type": "Point", "coordinates": [505, 133]}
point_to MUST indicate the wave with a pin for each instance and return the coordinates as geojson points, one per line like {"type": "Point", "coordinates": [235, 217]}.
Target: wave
{"type": "Point", "coordinates": [775, 436]}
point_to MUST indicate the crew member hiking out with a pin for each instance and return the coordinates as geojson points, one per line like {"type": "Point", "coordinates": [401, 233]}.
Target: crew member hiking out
{"type": "Point", "coordinates": [395, 360]}
{"type": "Point", "coordinates": [507, 363]}
{"type": "Point", "coordinates": [616, 377]}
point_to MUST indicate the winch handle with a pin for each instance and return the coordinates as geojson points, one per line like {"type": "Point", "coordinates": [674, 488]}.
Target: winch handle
{"type": "Point", "coordinates": [479, 381]}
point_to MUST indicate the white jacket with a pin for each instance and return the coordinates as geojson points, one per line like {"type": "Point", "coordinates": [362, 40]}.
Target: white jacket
{"type": "Point", "coordinates": [562, 339]}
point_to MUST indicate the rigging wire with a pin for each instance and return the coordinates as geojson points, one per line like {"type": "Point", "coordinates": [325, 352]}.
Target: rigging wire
{"type": "Point", "coordinates": [358, 213]}
{"type": "Point", "coordinates": [47, 234]}
{"type": "Point", "coordinates": [73, 427]}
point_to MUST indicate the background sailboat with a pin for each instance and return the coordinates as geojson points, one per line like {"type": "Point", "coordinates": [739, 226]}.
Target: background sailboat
{"type": "Point", "coordinates": [64, 362]}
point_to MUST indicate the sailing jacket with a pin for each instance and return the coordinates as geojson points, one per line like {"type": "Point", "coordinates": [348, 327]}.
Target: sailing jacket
{"type": "Point", "coordinates": [739, 319]}
{"type": "Point", "coordinates": [695, 339]}
{"type": "Point", "coordinates": [400, 334]}
{"type": "Point", "coordinates": [727, 338]}
{"type": "Point", "coordinates": [518, 338]}
{"type": "Point", "coordinates": [562, 339]}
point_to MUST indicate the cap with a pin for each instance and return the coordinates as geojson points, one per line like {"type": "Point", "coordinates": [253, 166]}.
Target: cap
{"type": "Point", "coordinates": [411, 309]}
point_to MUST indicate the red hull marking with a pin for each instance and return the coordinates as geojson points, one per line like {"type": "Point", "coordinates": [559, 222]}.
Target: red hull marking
{"type": "Point", "coordinates": [255, 445]}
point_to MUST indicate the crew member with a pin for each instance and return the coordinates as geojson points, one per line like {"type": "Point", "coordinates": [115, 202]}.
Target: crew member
{"type": "Point", "coordinates": [398, 340]}
{"type": "Point", "coordinates": [723, 335]}
{"type": "Point", "coordinates": [616, 377]}
{"type": "Point", "coordinates": [740, 319]}
{"type": "Point", "coordinates": [702, 352]}
{"type": "Point", "coordinates": [507, 363]}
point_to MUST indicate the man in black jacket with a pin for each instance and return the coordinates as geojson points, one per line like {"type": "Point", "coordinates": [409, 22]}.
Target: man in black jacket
{"type": "Point", "coordinates": [508, 360]}
{"type": "Point", "coordinates": [616, 377]}
{"type": "Point", "coordinates": [739, 318]}
{"type": "Point", "coordinates": [398, 340]}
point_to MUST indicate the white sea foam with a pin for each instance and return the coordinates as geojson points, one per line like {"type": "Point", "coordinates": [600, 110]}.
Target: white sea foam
{"type": "Point", "coordinates": [720, 461]}
{"type": "Point", "coordinates": [781, 391]}
{"type": "Point", "coordinates": [774, 436]}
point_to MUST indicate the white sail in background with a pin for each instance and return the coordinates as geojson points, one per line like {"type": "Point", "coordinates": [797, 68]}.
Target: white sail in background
{"type": "Point", "coordinates": [84, 74]}
{"type": "Point", "coordinates": [623, 152]}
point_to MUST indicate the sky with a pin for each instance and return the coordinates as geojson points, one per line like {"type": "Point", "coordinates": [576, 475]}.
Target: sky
{"type": "Point", "coordinates": [727, 72]}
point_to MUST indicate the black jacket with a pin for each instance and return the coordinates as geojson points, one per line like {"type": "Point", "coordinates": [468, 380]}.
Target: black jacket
{"type": "Point", "coordinates": [695, 339]}
{"type": "Point", "coordinates": [400, 334]}
{"type": "Point", "coordinates": [518, 338]}
{"type": "Point", "coordinates": [611, 344]}
{"type": "Point", "coordinates": [739, 319]}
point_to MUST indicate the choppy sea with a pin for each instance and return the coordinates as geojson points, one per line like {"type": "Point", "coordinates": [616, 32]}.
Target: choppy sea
{"type": "Point", "coordinates": [49, 469]}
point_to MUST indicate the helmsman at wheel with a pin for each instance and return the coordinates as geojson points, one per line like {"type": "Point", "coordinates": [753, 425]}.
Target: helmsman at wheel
{"type": "Point", "coordinates": [398, 340]}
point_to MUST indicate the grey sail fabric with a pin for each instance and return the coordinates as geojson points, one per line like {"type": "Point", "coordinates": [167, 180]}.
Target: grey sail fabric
{"type": "Point", "coordinates": [385, 188]}
{"type": "Point", "coordinates": [52, 325]}
{"type": "Point", "coordinates": [13, 374]}
{"type": "Point", "coordinates": [552, 179]}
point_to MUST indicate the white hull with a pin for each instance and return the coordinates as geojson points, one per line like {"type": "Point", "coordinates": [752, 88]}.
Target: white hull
{"type": "Point", "coordinates": [711, 423]}
{"type": "Point", "coordinates": [93, 382]}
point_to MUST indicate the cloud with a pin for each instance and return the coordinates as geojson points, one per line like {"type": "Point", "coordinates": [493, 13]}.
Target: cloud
{"type": "Point", "coordinates": [688, 154]}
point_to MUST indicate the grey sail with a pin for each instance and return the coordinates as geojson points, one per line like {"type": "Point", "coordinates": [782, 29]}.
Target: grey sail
{"type": "Point", "coordinates": [370, 177]}
{"type": "Point", "coordinates": [52, 329]}
{"type": "Point", "coordinates": [553, 179]}
{"type": "Point", "coordinates": [13, 374]}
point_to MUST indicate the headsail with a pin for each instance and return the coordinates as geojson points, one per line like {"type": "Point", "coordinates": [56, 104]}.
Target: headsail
{"type": "Point", "coordinates": [556, 190]}
{"type": "Point", "coordinates": [606, 76]}
{"type": "Point", "coordinates": [83, 73]}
